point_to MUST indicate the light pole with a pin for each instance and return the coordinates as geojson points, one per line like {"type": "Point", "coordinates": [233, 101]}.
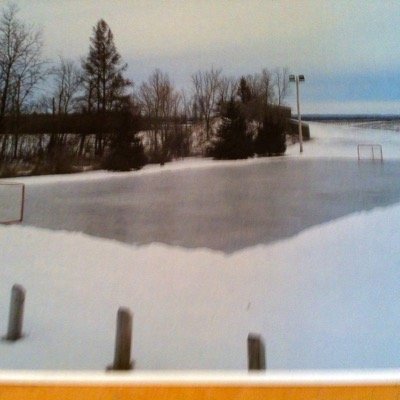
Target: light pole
{"type": "Point", "coordinates": [297, 79]}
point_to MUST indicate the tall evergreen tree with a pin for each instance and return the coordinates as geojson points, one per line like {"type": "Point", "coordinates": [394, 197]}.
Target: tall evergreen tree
{"type": "Point", "coordinates": [232, 141]}
{"type": "Point", "coordinates": [244, 91]}
{"type": "Point", "coordinates": [103, 71]}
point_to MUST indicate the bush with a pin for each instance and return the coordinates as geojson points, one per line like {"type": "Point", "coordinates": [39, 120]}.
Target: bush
{"type": "Point", "coordinates": [8, 171]}
{"type": "Point", "coordinates": [125, 156]}
{"type": "Point", "coordinates": [178, 143]}
{"type": "Point", "coordinates": [126, 149]}
{"type": "Point", "coordinates": [59, 161]}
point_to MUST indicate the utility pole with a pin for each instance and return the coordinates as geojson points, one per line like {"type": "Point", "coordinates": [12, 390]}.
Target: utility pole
{"type": "Point", "coordinates": [297, 79]}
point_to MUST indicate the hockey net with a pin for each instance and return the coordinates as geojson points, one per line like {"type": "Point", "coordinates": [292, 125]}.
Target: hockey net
{"type": "Point", "coordinates": [12, 202]}
{"type": "Point", "coordinates": [370, 152]}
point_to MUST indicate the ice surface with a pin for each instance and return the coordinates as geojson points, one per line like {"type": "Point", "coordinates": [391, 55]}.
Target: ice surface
{"type": "Point", "coordinates": [226, 208]}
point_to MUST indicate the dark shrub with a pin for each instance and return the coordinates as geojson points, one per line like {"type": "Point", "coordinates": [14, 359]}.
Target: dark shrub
{"type": "Point", "coordinates": [271, 136]}
{"type": "Point", "coordinates": [126, 149]}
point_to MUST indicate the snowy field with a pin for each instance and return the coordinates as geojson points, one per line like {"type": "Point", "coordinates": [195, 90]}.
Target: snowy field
{"type": "Point", "coordinates": [332, 140]}
{"type": "Point", "coordinates": [325, 298]}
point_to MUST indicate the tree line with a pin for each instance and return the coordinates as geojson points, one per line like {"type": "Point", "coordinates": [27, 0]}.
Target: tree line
{"type": "Point", "coordinates": [63, 116]}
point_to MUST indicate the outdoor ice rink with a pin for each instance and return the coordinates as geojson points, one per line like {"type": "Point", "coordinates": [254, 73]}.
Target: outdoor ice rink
{"type": "Point", "coordinates": [226, 208]}
{"type": "Point", "coordinates": [302, 250]}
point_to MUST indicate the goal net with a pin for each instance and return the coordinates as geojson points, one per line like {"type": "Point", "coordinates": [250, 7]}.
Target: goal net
{"type": "Point", "coordinates": [12, 198]}
{"type": "Point", "coordinates": [370, 152]}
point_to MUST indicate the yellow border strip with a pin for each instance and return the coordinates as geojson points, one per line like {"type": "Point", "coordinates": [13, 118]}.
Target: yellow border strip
{"type": "Point", "coordinates": [157, 392]}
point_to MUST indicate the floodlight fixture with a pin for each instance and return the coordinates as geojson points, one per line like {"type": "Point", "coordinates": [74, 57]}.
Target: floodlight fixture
{"type": "Point", "coordinates": [292, 78]}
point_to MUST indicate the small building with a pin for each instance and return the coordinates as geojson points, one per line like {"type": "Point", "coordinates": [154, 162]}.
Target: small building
{"type": "Point", "coordinates": [294, 130]}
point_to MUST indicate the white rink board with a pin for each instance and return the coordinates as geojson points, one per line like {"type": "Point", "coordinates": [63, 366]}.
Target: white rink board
{"type": "Point", "coordinates": [11, 202]}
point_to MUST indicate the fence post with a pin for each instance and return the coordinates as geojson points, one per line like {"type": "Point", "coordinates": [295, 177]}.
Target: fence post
{"type": "Point", "coordinates": [255, 352]}
{"type": "Point", "coordinates": [123, 340]}
{"type": "Point", "coordinates": [14, 331]}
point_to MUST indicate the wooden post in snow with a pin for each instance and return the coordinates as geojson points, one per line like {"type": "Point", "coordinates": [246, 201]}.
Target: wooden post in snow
{"type": "Point", "coordinates": [123, 340]}
{"type": "Point", "coordinates": [14, 331]}
{"type": "Point", "coordinates": [255, 352]}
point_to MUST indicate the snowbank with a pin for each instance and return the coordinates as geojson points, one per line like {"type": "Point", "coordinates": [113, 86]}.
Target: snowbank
{"type": "Point", "coordinates": [324, 299]}
{"type": "Point", "coordinates": [177, 165]}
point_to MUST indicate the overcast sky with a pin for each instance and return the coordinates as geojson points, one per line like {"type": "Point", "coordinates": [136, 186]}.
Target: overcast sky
{"type": "Point", "coordinates": [348, 50]}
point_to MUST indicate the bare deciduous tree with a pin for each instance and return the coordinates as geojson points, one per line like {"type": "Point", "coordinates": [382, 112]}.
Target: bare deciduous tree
{"type": "Point", "coordinates": [259, 94]}
{"type": "Point", "coordinates": [262, 86]}
{"type": "Point", "coordinates": [68, 82]}
{"type": "Point", "coordinates": [281, 83]}
{"type": "Point", "coordinates": [206, 86]}
{"type": "Point", "coordinates": [186, 122]}
{"type": "Point", "coordinates": [21, 66]}
{"type": "Point", "coordinates": [267, 86]}
{"type": "Point", "coordinates": [160, 104]}
{"type": "Point", "coordinates": [227, 89]}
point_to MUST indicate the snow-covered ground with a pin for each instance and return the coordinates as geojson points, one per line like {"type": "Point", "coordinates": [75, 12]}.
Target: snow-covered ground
{"type": "Point", "coordinates": [326, 298]}
{"type": "Point", "coordinates": [332, 140]}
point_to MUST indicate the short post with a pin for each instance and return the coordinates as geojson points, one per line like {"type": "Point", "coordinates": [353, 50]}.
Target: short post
{"type": "Point", "coordinates": [255, 352]}
{"type": "Point", "coordinates": [16, 313]}
{"type": "Point", "coordinates": [299, 115]}
{"type": "Point", "coordinates": [123, 340]}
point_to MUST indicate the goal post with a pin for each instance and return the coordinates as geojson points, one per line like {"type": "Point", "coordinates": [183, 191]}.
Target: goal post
{"type": "Point", "coordinates": [12, 202]}
{"type": "Point", "coordinates": [370, 151]}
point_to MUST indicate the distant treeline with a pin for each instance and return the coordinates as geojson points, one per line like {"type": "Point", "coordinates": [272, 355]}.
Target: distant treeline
{"type": "Point", "coordinates": [350, 117]}
{"type": "Point", "coordinates": [55, 117]}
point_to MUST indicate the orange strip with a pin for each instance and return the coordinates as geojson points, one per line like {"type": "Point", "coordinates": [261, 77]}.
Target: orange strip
{"type": "Point", "coordinates": [166, 392]}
